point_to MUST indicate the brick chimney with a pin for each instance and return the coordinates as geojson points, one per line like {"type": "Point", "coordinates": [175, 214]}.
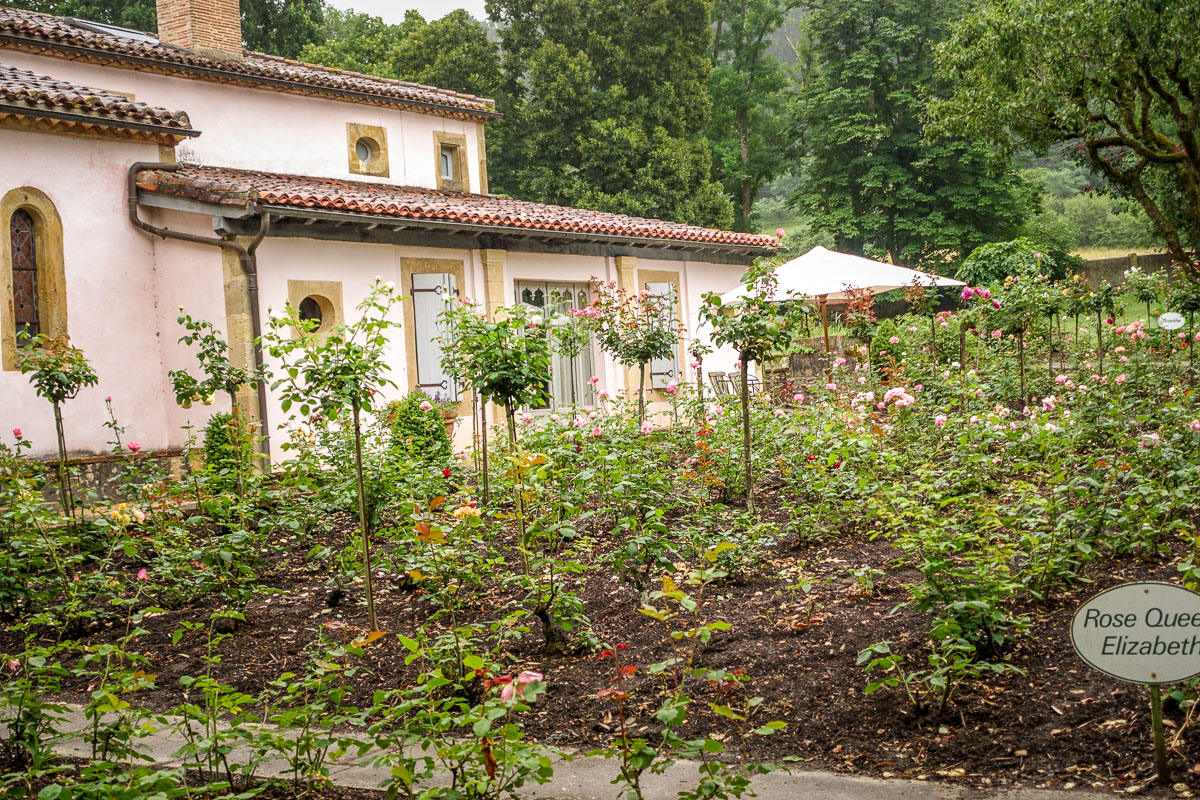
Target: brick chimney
{"type": "Point", "coordinates": [211, 28]}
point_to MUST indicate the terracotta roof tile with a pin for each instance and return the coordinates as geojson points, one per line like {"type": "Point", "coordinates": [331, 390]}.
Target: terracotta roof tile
{"type": "Point", "coordinates": [24, 89]}
{"type": "Point", "coordinates": [34, 30]}
{"type": "Point", "coordinates": [237, 187]}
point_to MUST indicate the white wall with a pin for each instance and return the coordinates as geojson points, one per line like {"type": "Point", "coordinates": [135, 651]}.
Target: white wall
{"type": "Point", "coordinates": [273, 131]}
{"type": "Point", "coordinates": [113, 305]}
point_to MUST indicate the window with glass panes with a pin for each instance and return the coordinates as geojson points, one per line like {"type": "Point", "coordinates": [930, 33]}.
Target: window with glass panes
{"type": "Point", "coordinates": [568, 375]}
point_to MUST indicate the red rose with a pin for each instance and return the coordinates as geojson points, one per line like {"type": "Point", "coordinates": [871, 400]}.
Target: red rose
{"type": "Point", "coordinates": [445, 473]}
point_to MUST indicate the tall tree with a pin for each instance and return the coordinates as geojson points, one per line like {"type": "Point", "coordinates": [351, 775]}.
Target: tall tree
{"type": "Point", "coordinates": [1119, 79]}
{"type": "Point", "coordinates": [139, 15]}
{"type": "Point", "coordinates": [282, 27]}
{"type": "Point", "coordinates": [870, 178]}
{"type": "Point", "coordinates": [606, 107]}
{"type": "Point", "coordinates": [747, 86]}
{"type": "Point", "coordinates": [454, 52]}
{"type": "Point", "coordinates": [359, 42]}
{"type": "Point", "coordinates": [279, 27]}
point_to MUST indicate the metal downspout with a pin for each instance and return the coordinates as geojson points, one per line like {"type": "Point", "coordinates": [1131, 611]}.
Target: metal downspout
{"type": "Point", "coordinates": [246, 257]}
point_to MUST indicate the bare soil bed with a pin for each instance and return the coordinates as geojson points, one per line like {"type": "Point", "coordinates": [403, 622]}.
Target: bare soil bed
{"type": "Point", "coordinates": [1059, 724]}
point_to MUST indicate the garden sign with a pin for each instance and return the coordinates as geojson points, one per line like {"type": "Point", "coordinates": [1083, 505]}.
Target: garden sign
{"type": "Point", "coordinates": [1170, 321]}
{"type": "Point", "coordinates": [1145, 633]}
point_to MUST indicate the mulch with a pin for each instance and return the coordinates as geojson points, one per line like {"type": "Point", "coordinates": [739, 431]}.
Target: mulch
{"type": "Point", "coordinates": [1055, 724]}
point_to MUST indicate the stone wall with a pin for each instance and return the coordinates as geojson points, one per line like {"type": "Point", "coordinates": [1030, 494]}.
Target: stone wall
{"type": "Point", "coordinates": [1113, 269]}
{"type": "Point", "coordinates": [104, 474]}
{"type": "Point", "coordinates": [805, 365]}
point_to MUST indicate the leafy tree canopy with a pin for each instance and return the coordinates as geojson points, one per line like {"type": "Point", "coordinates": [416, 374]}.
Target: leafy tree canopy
{"type": "Point", "coordinates": [606, 107]}
{"type": "Point", "coordinates": [280, 27]}
{"type": "Point", "coordinates": [748, 86]}
{"type": "Point", "coordinates": [871, 179]}
{"type": "Point", "coordinates": [1119, 79]}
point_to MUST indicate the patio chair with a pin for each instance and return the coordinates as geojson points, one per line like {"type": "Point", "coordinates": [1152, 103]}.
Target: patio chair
{"type": "Point", "coordinates": [720, 383]}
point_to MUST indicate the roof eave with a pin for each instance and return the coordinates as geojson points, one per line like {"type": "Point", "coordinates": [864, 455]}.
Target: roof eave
{"type": "Point", "coordinates": [369, 222]}
{"type": "Point", "coordinates": [533, 233]}
{"type": "Point", "coordinates": [29, 43]}
{"type": "Point", "coordinates": [23, 110]}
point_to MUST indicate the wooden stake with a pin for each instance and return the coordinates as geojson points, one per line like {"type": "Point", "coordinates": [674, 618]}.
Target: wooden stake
{"type": "Point", "coordinates": [1156, 724]}
{"type": "Point", "coordinates": [825, 328]}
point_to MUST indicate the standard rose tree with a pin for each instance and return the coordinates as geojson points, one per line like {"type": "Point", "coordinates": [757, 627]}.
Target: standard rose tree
{"type": "Point", "coordinates": [337, 371]}
{"type": "Point", "coordinates": [634, 328]}
{"type": "Point", "coordinates": [758, 326]}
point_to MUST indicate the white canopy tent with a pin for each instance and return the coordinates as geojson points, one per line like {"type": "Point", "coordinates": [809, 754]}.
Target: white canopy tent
{"type": "Point", "coordinates": [827, 275]}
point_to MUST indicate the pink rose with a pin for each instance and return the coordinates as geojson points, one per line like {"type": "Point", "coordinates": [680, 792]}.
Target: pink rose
{"type": "Point", "coordinates": [780, 233]}
{"type": "Point", "coordinates": [996, 334]}
{"type": "Point", "coordinates": [134, 447]}
{"type": "Point", "coordinates": [426, 405]}
{"type": "Point", "coordinates": [940, 420]}
{"type": "Point", "coordinates": [831, 387]}
{"type": "Point", "coordinates": [797, 398]}
{"type": "Point", "coordinates": [1195, 425]}
{"type": "Point", "coordinates": [596, 431]}
{"type": "Point", "coordinates": [17, 432]}
{"type": "Point", "coordinates": [894, 340]}
{"type": "Point", "coordinates": [594, 379]}
{"type": "Point", "coordinates": [647, 428]}
{"type": "Point", "coordinates": [142, 574]}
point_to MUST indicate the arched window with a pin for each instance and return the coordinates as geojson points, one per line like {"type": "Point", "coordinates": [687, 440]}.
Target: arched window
{"type": "Point", "coordinates": [33, 297]}
{"type": "Point", "coordinates": [24, 274]}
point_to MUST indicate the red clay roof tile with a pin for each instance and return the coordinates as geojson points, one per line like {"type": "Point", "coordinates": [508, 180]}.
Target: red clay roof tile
{"type": "Point", "coordinates": [236, 187]}
{"type": "Point", "coordinates": [34, 30]}
{"type": "Point", "coordinates": [24, 89]}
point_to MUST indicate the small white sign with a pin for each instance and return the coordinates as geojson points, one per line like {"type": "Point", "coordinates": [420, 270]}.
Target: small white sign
{"type": "Point", "coordinates": [1171, 321]}
{"type": "Point", "coordinates": [1140, 632]}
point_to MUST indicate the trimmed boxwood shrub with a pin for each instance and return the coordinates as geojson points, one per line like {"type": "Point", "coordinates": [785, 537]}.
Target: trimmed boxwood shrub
{"type": "Point", "coordinates": [220, 445]}
{"type": "Point", "coordinates": [416, 434]}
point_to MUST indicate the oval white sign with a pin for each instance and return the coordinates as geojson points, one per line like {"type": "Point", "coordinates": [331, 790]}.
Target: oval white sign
{"type": "Point", "coordinates": [1171, 321]}
{"type": "Point", "coordinates": [1140, 632]}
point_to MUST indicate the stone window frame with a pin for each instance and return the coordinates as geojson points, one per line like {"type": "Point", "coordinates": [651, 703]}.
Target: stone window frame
{"type": "Point", "coordinates": [645, 276]}
{"type": "Point", "coordinates": [378, 165]}
{"type": "Point", "coordinates": [328, 295]}
{"type": "Point", "coordinates": [51, 269]}
{"type": "Point", "coordinates": [425, 266]}
{"type": "Point", "coordinates": [461, 182]}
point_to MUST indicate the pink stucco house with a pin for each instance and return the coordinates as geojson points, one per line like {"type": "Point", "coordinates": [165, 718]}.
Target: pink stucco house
{"type": "Point", "coordinates": [141, 173]}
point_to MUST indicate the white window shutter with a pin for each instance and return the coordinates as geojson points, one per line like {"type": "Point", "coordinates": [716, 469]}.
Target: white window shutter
{"type": "Point", "coordinates": [665, 370]}
{"type": "Point", "coordinates": [430, 293]}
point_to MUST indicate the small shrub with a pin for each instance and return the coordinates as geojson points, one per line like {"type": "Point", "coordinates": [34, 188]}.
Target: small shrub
{"type": "Point", "coordinates": [220, 444]}
{"type": "Point", "coordinates": [416, 434]}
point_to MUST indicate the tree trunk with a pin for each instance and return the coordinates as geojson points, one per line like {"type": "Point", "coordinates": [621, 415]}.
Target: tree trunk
{"type": "Point", "coordinates": [487, 492]}
{"type": "Point", "coordinates": [510, 414]}
{"type": "Point", "coordinates": [1050, 352]}
{"type": "Point", "coordinates": [1021, 365]}
{"type": "Point", "coordinates": [1100, 343]}
{"type": "Point", "coordinates": [64, 479]}
{"type": "Point", "coordinates": [746, 433]}
{"type": "Point", "coordinates": [363, 521]}
{"type": "Point", "coordinates": [744, 162]}
{"type": "Point", "coordinates": [235, 412]}
{"type": "Point", "coordinates": [642, 392]}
